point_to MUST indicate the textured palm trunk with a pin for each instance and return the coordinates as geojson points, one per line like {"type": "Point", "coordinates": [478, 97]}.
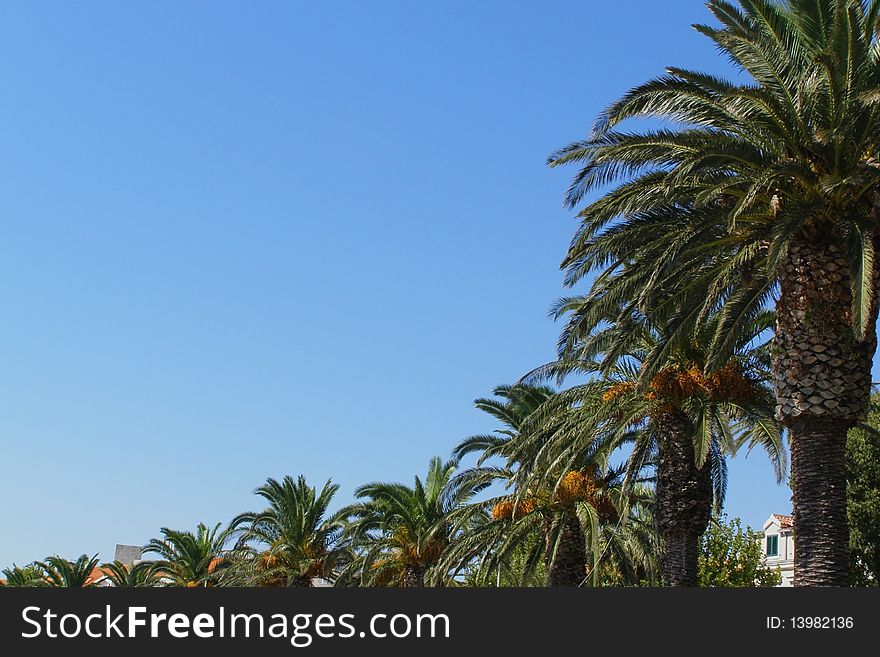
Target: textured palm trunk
{"type": "Point", "coordinates": [822, 376]}
{"type": "Point", "coordinates": [683, 499]}
{"type": "Point", "coordinates": [300, 581]}
{"type": "Point", "coordinates": [680, 558]}
{"type": "Point", "coordinates": [413, 577]}
{"type": "Point", "coordinates": [569, 567]}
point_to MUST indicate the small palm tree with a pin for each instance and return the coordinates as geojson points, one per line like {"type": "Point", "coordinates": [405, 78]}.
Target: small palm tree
{"type": "Point", "coordinates": [398, 533]}
{"type": "Point", "coordinates": [569, 529]}
{"type": "Point", "coordinates": [582, 532]}
{"type": "Point", "coordinates": [291, 542]}
{"type": "Point", "coordinates": [190, 559]}
{"type": "Point", "coordinates": [139, 575]}
{"type": "Point", "coordinates": [59, 572]}
{"type": "Point", "coordinates": [22, 576]}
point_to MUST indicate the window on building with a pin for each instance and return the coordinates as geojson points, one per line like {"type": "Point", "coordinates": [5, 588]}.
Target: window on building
{"type": "Point", "coordinates": [772, 546]}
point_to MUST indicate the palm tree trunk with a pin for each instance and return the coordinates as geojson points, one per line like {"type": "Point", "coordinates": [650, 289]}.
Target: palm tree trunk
{"type": "Point", "coordinates": [683, 499]}
{"type": "Point", "coordinates": [569, 565]}
{"type": "Point", "coordinates": [413, 577]}
{"type": "Point", "coordinates": [679, 563]}
{"type": "Point", "coordinates": [300, 581]}
{"type": "Point", "coordinates": [818, 481]}
{"type": "Point", "coordinates": [822, 376]}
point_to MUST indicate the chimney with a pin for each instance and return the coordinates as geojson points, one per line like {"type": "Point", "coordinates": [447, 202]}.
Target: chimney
{"type": "Point", "coordinates": [128, 554]}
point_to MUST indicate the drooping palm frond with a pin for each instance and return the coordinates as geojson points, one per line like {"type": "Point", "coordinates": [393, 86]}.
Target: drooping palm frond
{"type": "Point", "coordinates": [710, 200]}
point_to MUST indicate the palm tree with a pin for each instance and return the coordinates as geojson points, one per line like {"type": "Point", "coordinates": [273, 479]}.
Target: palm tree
{"type": "Point", "coordinates": [483, 535]}
{"type": "Point", "coordinates": [190, 559]}
{"type": "Point", "coordinates": [683, 424]}
{"type": "Point", "coordinates": [557, 529]}
{"type": "Point", "coordinates": [582, 532]}
{"type": "Point", "coordinates": [398, 533]}
{"type": "Point", "coordinates": [22, 576]}
{"type": "Point", "coordinates": [291, 542]}
{"type": "Point", "coordinates": [59, 572]}
{"type": "Point", "coordinates": [759, 193]}
{"type": "Point", "coordinates": [139, 575]}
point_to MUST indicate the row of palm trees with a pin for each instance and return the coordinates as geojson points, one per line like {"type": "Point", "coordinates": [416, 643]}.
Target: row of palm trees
{"type": "Point", "coordinates": [533, 508]}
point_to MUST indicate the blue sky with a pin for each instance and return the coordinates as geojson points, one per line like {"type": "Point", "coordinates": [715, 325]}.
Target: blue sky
{"type": "Point", "coordinates": [243, 240]}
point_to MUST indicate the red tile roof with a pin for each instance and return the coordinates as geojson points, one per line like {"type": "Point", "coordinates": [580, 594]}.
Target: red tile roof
{"type": "Point", "coordinates": [785, 522]}
{"type": "Point", "coordinates": [97, 574]}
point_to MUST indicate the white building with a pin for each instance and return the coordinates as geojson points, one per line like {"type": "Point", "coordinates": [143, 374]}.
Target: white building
{"type": "Point", "coordinates": [778, 546]}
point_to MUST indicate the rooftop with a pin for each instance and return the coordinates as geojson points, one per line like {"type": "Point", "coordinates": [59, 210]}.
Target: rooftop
{"type": "Point", "coordinates": [785, 522]}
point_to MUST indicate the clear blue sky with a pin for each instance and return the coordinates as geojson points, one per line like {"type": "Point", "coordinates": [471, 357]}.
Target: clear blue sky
{"type": "Point", "coordinates": [243, 240]}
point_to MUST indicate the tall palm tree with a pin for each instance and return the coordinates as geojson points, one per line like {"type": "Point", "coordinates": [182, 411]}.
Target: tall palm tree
{"type": "Point", "coordinates": [558, 529]}
{"type": "Point", "coordinates": [398, 533]}
{"type": "Point", "coordinates": [59, 572]}
{"type": "Point", "coordinates": [190, 559]}
{"type": "Point", "coordinates": [292, 541]}
{"type": "Point", "coordinates": [762, 192]}
{"type": "Point", "coordinates": [683, 423]}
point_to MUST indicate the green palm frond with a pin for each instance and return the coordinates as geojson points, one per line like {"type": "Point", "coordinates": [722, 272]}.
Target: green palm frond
{"type": "Point", "coordinates": [190, 559]}
{"type": "Point", "coordinates": [290, 542]}
{"type": "Point", "coordinates": [59, 572]}
{"type": "Point", "coordinates": [396, 533]}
